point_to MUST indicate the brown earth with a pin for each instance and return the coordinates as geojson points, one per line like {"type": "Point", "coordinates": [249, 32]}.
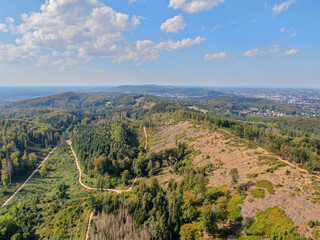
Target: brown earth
{"type": "Point", "coordinates": [294, 190]}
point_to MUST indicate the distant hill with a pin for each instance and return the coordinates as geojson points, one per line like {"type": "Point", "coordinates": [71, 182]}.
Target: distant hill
{"type": "Point", "coordinates": [14, 94]}
{"type": "Point", "coordinates": [74, 101]}
{"type": "Point", "coordinates": [168, 91]}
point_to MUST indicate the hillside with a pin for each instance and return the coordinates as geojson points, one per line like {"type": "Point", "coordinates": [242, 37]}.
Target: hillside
{"type": "Point", "coordinates": [151, 165]}
{"type": "Point", "coordinates": [284, 185]}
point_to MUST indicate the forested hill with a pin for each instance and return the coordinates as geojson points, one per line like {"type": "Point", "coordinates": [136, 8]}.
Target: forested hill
{"type": "Point", "coordinates": [64, 111]}
{"type": "Point", "coordinates": [89, 101]}
{"type": "Point", "coordinates": [168, 91]}
{"type": "Point", "coordinates": [68, 100]}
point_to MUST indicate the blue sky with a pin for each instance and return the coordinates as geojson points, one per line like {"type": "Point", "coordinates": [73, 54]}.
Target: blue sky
{"type": "Point", "coordinates": [271, 43]}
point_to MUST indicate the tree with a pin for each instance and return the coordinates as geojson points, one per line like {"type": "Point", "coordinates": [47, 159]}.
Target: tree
{"type": "Point", "coordinates": [33, 159]}
{"type": "Point", "coordinates": [8, 227]}
{"type": "Point", "coordinates": [43, 170]}
{"type": "Point", "coordinates": [15, 159]}
{"type": "Point", "coordinates": [125, 176]}
{"type": "Point", "coordinates": [100, 165]}
{"type": "Point", "coordinates": [234, 175]}
{"type": "Point", "coordinates": [208, 218]}
{"type": "Point", "coordinates": [4, 174]}
{"type": "Point", "coordinates": [62, 191]}
{"type": "Point", "coordinates": [187, 232]}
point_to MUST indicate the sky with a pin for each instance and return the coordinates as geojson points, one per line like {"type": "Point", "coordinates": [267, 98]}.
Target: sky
{"type": "Point", "coordinates": [222, 43]}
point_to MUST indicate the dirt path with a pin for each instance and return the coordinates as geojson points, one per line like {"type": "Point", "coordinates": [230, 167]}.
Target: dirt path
{"type": "Point", "coordinates": [109, 190]}
{"type": "Point", "coordinates": [146, 137]}
{"type": "Point", "coordinates": [89, 225]}
{"type": "Point", "coordinates": [91, 188]}
{"type": "Point", "coordinates": [297, 167]}
{"type": "Point", "coordinates": [19, 189]}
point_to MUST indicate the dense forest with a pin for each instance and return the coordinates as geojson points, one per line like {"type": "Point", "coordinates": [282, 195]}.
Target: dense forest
{"type": "Point", "coordinates": [22, 144]}
{"type": "Point", "coordinates": [106, 148]}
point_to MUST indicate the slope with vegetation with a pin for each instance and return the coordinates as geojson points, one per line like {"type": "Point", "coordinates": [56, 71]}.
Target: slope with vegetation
{"type": "Point", "coordinates": [199, 176]}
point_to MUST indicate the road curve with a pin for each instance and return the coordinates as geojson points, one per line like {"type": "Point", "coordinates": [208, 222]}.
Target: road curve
{"type": "Point", "coordinates": [91, 188]}
{"type": "Point", "coordinates": [19, 189]}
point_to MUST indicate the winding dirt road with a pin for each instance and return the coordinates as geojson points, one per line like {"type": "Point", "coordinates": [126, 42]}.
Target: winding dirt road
{"type": "Point", "coordinates": [92, 188]}
{"type": "Point", "coordinates": [19, 189]}
{"type": "Point", "coordinates": [110, 190]}
{"type": "Point", "coordinates": [103, 189]}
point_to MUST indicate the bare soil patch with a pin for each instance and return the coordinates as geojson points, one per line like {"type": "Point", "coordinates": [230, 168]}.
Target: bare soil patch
{"type": "Point", "coordinates": [295, 190]}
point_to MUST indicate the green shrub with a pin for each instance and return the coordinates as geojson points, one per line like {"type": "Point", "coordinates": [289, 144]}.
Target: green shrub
{"type": "Point", "coordinates": [252, 175]}
{"type": "Point", "coordinates": [313, 224]}
{"type": "Point", "coordinates": [273, 223]}
{"type": "Point", "coordinates": [233, 207]}
{"type": "Point", "coordinates": [180, 135]}
{"type": "Point", "coordinates": [266, 184]}
{"type": "Point", "coordinates": [258, 193]}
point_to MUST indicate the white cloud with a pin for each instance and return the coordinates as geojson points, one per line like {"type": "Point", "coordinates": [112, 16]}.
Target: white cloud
{"type": "Point", "coordinates": [291, 51]}
{"type": "Point", "coordinates": [173, 25]}
{"type": "Point", "coordinates": [184, 43]}
{"type": "Point", "coordinates": [251, 52]}
{"type": "Point", "coordinates": [14, 53]}
{"type": "Point", "coordinates": [67, 53]}
{"type": "Point", "coordinates": [216, 27]}
{"type": "Point", "coordinates": [215, 56]}
{"type": "Point", "coordinates": [293, 34]}
{"type": "Point", "coordinates": [193, 6]}
{"type": "Point", "coordinates": [65, 64]}
{"type": "Point", "coordinates": [71, 29]}
{"type": "Point", "coordinates": [142, 51]}
{"type": "Point", "coordinates": [278, 8]}
{"type": "Point", "coordinates": [147, 50]}
{"type": "Point", "coordinates": [87, 27]}
{"type": "Point", "coordinates": [283, 29]}
{"type": "Point", "coordinates": [3, 28]}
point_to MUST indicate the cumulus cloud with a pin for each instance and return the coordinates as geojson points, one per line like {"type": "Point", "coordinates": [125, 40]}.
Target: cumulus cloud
{"type": "Point", "coordinates": [291, 51]}
{"type": "Point", "coordinates": [251, 52]}
{"type": "Point", "coordinates": [278, 8]}
{"type": "Point", "coordinates": [173, 25]}
{"type": "Point", "coordinates": [142, 51]}
{"type": "Point", "coordinates": [65, 64]}
{"type": "Point", "coordinates": [71, 30]}
{"type": "Point", "coordinates": [3, 28]}
{"type": "Point", "coordinates": [194, 6]}
{"type": "Point", "coordinates": [187, 42]}
{"type": "Point", "coordinates": [147, 50]}
{"type": "Point", "coordinates": [215, 56]}
{"type": "Point", "coordinates": [14, 53]}
{"type": "Point", "coordinates": [86, 26]}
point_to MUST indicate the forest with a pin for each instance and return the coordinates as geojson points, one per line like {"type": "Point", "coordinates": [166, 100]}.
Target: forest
{"type": "Point", "coordinates": [107, 134]}
{"type": "Point", "coordinates": [22, 144]}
